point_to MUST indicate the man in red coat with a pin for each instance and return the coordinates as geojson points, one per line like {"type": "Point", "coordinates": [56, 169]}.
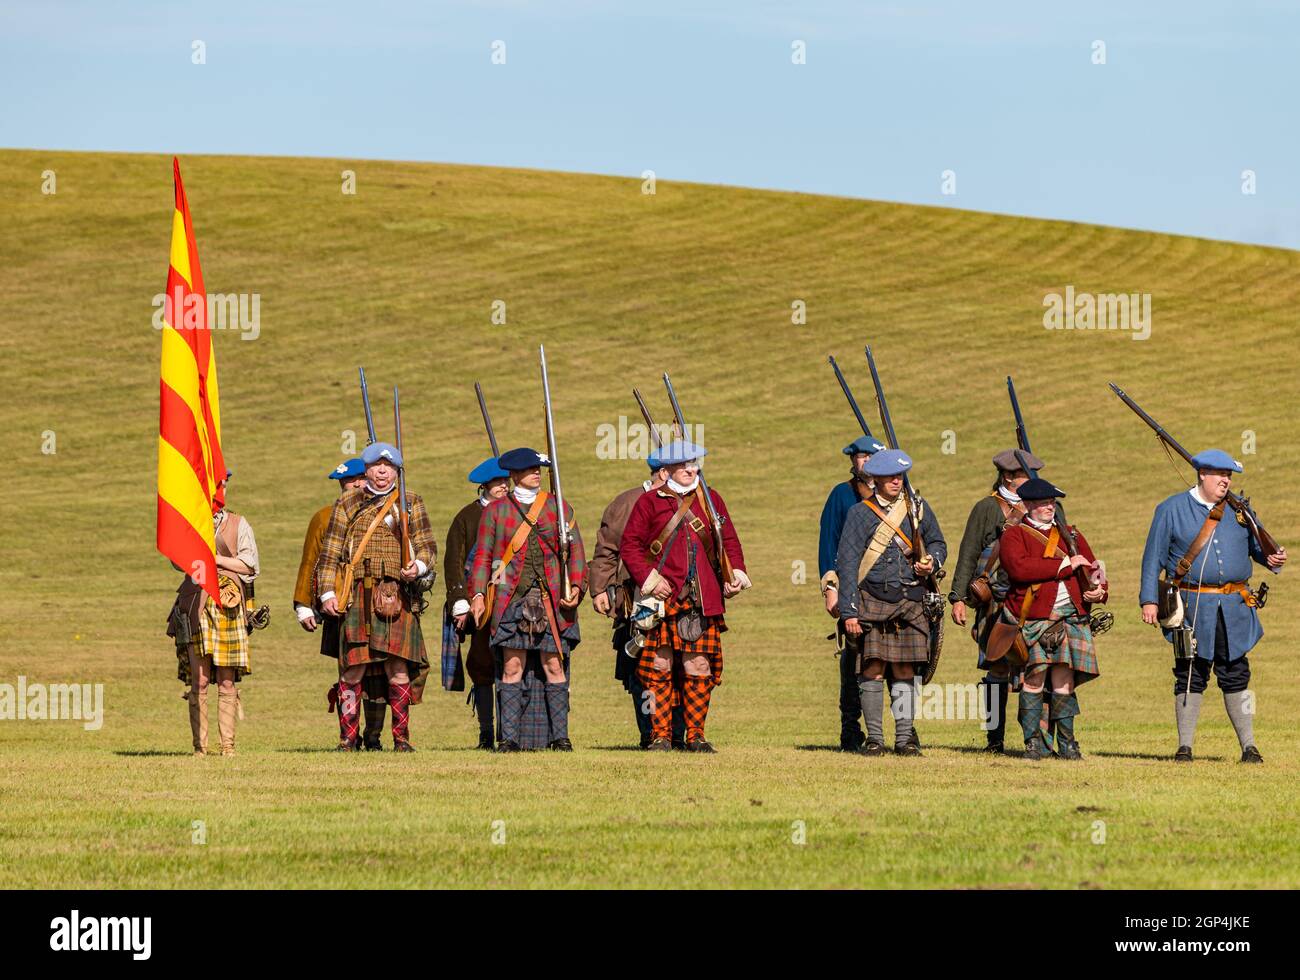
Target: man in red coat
{"type": "Point", "coordinates": [1051, 597]}
{"type": "Point", "coordinates": [517, 563]}
{"type": "Point", "coordinates": [669, 549]}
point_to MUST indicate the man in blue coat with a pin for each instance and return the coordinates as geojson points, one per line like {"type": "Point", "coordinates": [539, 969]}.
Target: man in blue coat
{"type": "Point", "coordinates": [841, 500]}
{"type": "Point", "coordinates": [1220, 624]}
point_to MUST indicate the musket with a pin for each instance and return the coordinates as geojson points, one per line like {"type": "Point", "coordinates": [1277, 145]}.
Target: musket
{"type": "Point", "coordinates": [1236, 501]}
{"type": "Point", "coordinates": [404, 506]}
{"type": "Point", "coordinates": [365, 403]}
{"type": "Point", "coordinates": [853, 402]}
{"type": "Point", "coordinates": [565, 585]}
{"type": "Point", "coordinates": [645, 414]}
{"type": "Point", "coordinates": [487, 420]}
{"type": "Point", "coordinates": [913, 508]}
{"type": "Point", "coordinates": [724, 560]}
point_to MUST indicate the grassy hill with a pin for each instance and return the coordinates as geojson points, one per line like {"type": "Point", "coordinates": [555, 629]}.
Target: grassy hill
{"type": "Point", "coordinates": [401, 277]}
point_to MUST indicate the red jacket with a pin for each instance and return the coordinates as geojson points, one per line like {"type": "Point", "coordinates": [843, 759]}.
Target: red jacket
{"type": "Point", "coordinates": [497, 526]}
{"type": "Point", "coordinates": [1021, 556]}
{"type": "Point", "coordinates": [651, 515]}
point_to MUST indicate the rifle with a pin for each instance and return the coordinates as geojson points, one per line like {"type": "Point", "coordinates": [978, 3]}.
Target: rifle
{"type": "Point", "coordinates": [724, 560]}
{"type": "Point", "coordinates": [1236, 501]}
{"type": "Point", "coordinates": [487, 420]}
{"type": "Point", "coordinates": [404, 506]}
{"type": "Point", "coordinates": [913, 508]}
{"type": "Point", "coordinates": [565, 585]}
{"type": "Point", "coordinates": [853, 402]}
{"type": "Point", "coordinates": [645, 414]}
{"type": "Point", "coordinates": [365, 404]}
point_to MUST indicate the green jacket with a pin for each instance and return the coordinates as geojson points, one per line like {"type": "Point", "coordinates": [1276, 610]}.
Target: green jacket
{"type": "Point", "coordinates": [982, 528]}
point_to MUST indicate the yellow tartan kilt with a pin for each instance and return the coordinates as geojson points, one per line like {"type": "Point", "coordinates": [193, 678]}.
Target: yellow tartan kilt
{"type": "Point", "coordinates": [223, 636]}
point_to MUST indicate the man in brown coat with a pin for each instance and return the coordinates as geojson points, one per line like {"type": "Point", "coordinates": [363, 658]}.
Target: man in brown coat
{"type": "Point", "coordinates": [611, 595]}
{"type": "Point", "coordinates": [462, 537]}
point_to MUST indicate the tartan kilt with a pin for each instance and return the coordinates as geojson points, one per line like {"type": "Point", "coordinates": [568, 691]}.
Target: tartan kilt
{"type": "Point", "coordinates": [378, 639]}
{"type": "Point", "coordinates": [223, 636]}
{"type": "Point", "coordinates": [895, 632]}
{"type": "Point", "coordinates": [665, 635]}
{"type": "Point", "coordinates": [535, 721]}
{"type": "Point", "coordinates": [1076, 648]}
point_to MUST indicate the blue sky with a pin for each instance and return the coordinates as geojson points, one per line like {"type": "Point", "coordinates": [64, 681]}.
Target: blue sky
{"type": "Point", "coordinates": [1006, 95]}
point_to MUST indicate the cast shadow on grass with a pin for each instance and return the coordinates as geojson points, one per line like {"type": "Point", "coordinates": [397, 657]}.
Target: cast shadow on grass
{"type": "Point", "coordinates": [149, 753]}
{"type": "Point", "coordinates": [1158, 757]}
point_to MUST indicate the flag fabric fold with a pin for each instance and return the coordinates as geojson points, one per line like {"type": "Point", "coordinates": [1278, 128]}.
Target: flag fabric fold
{"type": "Point", "coordinates": [191, 467]}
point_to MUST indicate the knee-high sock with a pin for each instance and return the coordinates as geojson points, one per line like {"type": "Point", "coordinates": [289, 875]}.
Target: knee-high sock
{"type": "Point", "coordinates": [399, 700]}
{"type": "Point", "coordinates": [1030, 714]}
{"type": "Point", "coordinates": [696, 692]}
{"type": "Point", "coordinates": [511, 706]}
{"type": "Point", "coordinates": [557, 707]}
{"type": "Point", "coordinates": [349, 711]}
{"type": "Point", "coordinates": [1242, 719]}
{"type": "Point", "coordinates": [872, 695]}
{"type": "Point", "coordinates": [659, 685]}
{"type": "Point", "coordinates": [374, 720]}
{"type": "Point", "coordinates": [483, 708]}
{"type": "Point", "coordinates": [1064, 707]}
{"type": "Point", "coordinates": [903, 707]}
{"type": "Point", "coordinates": [1187, 709]}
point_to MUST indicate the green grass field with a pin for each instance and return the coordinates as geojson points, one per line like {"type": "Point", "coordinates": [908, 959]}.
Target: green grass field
{"type": "Point", "coordinates": [401, 278]}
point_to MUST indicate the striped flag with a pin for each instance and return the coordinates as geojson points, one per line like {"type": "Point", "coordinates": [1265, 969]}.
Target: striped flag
{"type": "Point", "coordinates": [190, 465]}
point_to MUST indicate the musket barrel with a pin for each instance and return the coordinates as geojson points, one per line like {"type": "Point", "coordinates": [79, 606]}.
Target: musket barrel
{"type": "Point", "coordinates": [645, 414]}
{"type": "Point", "coordinates": [365, 404]}
{"type": "Point", "coordinates": [487, 420]}
{"type": "Point", "coordinates": [853, 402]}
{"type": "Point", "coordinates": [556, 486]}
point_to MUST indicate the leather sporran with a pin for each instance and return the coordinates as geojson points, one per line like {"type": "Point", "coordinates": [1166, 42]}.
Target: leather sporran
{"type": "Point", "coordinates": [386, 599]}
{"type": "Point", "coordinates": [532, 614]}
{"type": "Point", "coordinates": [690, 625]}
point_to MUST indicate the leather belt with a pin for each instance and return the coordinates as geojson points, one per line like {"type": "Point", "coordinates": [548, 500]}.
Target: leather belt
{"type": "Point", "coordinates": [1240, 588]}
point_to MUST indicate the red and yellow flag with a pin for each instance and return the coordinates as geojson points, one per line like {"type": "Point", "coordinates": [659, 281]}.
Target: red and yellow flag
{"type": "Point", "coordinates": [190, 465]}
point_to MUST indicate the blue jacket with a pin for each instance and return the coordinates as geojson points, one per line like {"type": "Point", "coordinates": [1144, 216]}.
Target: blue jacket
{"type": "Point", "coordinates": [838, 505]}
{"type": "Point", "coordinates": [1225, 558]}
{"type": "Point", "coordinates": [893, 569]}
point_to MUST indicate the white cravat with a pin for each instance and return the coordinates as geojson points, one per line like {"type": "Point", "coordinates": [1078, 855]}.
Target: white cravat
{"type": "Point", "coordinates": [678, 489]}
{"type": "Point", "coordinates": [1008, 496]}
{"type": "Point", "coordinates": [524, 495]}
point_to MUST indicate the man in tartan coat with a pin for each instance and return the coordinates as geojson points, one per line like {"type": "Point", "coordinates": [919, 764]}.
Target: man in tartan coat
{"type": "Point", "coordinates": [517, 560]}
{"type": "Point", "coordinates": [381, 622]}
{"type": "Point", "coordinates": [885, 610]}
{"type": "Point", "coordinates": [668, 548]}
{"type": "Point", "coordinates": [1045, 596]}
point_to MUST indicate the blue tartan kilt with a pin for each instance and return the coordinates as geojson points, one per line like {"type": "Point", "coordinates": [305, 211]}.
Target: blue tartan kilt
{"type": "Point", "coordinates": [508, 634]}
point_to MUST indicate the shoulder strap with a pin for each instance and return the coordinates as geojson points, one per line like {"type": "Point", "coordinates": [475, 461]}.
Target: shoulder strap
{"type": "Point", "coordinates": [374, 524]}
{"type": "Point", "coordinates": [1202, 536]}
{"type": "Point", "coordinates": [657, 545]}
{"type": "Point", "coordinates": [521, 535]}
{"type": "Point", "coordinates": [1049, 551]}
{"type": "Point", "coordinates": [710, 548]}
{"type": "Point", "coordinates": [880, 539]}
{"type": "Point", "coordinates": [903, 542]}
